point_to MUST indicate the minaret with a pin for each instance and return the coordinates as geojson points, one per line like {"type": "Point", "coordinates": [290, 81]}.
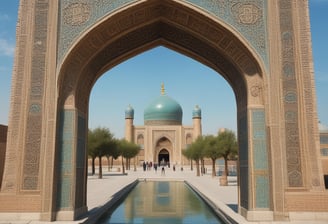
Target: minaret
{"type": "Point", "coordinates": [129, 115]}
{"type": "Point", "coordinates": [162, 89]}
{"type": "Point", "coordinates": [197, 122]}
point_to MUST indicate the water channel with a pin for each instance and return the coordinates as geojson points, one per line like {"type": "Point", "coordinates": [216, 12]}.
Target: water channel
{"type": "Point", "coordinates": [162, 202]}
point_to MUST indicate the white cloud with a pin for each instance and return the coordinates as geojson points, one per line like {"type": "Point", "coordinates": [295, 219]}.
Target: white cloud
{"type": "Point", "coordinates": [6, 48]}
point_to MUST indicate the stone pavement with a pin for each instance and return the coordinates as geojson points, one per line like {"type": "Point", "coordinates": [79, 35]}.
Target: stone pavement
{"type": "Point", "coordinates": [100, 191]}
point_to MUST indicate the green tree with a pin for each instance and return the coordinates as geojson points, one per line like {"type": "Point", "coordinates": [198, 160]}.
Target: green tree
{"type": "Point", "coordinates": [228, 147]}
{"type": "Point", "coordinates": [127, 150]}
{"type": "Point", "coordinates": [92, 143]}
{"type": "Point", "coordinates": [195, 152]}
{"type": "Point", "coordinates": [113, 153]}
{"type": "Point", "coordinates": [187, 154]}
{"type": "Point", "coordinates": [100, 142]}
{"type": "Point", "coordinates": [211, 150]}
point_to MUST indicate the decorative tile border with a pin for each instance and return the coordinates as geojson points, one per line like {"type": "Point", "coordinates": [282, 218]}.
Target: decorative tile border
{"type": "Point", "coordinates": [246, 17]}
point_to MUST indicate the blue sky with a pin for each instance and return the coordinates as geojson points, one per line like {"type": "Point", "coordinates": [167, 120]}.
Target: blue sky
{"type": "Point", "coordinates": [138, 80]}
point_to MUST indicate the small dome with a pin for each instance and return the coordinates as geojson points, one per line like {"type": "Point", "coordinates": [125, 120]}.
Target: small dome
{"type": "Point", "coordinates": [129, 112]}
{"type": "Point", "coordinates": [163, 111]}
{"type": "Point", "coordinates": [197, 112]}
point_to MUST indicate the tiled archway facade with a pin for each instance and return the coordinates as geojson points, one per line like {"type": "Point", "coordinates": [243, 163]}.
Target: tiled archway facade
{"type": "Point", "coordinates": [262, 48]}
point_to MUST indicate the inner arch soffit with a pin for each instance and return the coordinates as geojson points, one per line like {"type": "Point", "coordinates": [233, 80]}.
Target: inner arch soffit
{"type": "Point", "coordinates": [172, 25]}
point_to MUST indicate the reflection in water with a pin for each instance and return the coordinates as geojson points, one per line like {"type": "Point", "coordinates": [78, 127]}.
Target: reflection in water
{"type": "Point", "coordinates": [162, 202]}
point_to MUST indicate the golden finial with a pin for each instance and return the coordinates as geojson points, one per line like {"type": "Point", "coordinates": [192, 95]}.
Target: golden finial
{"type": "Point", "coordinates": [162, 89]}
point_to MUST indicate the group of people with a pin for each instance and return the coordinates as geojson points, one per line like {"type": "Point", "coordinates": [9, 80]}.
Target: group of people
{"type": "Point", "coordinates": [148, 166]}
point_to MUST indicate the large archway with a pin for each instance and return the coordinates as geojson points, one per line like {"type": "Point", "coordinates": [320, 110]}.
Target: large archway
{"type": "Point", "coordinates": [179, 27]}
{"type": "Point", "coordinates": [257, 56]}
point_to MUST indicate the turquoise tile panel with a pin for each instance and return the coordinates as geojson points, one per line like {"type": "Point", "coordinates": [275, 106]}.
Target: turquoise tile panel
{"type": "Point", "coordinates": [262, 192]}
{"type": "Point", "coordinates": [64, 198]}
{"type": "Point", "coordinates": [259, 140]}
{"type": "Point", "coordinates": [260, 159]}
{"type": "Point", "coordinates": [65, 159]}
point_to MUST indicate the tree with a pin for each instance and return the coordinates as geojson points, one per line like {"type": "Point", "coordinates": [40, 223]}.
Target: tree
{"type": "Point", "coordinates": [195, 152]}
{"type": "Point", "coordinates": [127, 150]}
{"type": "Point", "coordinates": [187, 154]}
{"type": "Point", "coordinates": [113, 153]}
{"type": "Point", "coordinates": [228, 147]}
{"type": "Point", "coordinates": [211, 150]}
{"type": "Point", "coordinates": [100, 142]}
{"type": "Point", "coordinates": [92, 144]}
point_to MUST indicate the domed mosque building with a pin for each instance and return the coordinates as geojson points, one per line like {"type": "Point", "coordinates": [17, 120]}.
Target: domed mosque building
{"type": "Point", "coordinates": [162, 137]}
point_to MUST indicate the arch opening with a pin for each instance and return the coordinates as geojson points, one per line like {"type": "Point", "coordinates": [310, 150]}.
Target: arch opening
{"type": "Point", "coordinates": [163, 157]}
{"type": "Point", "coordinates": [100, 49]}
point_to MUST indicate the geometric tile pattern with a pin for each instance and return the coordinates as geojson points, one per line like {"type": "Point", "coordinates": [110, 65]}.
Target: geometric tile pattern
{"type": "Point", "coordinates": [34, 124]}
{"type": "Point", "coordinates": [260, 159]}
{"type": "Point", "coordinates": [290, 92]}
{"type": "Point", "coordinates": [65, 154]}
{"type": "Point", "coordinates": [248, 18]}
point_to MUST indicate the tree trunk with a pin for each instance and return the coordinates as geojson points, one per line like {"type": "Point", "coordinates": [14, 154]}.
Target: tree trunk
{"type": "Point", "coordinates": [108, 166]}
{"type": "Point", "coordinates": [197, 168]}
{"type": "Point", "coordinates": [226, 172]}
{"type": "Point", "coordinates": [100, 168]}
{"type": "Point", "coordinates": [127, 164]}
{"type": "Point", "coordinates": [203, 166]}
{"type": "Point", "coordinates": [224, 177]}
{"type": "Point", "coordinates": [111, 164]}
{"type": "Point", "coordinates": [213, 167]}
{"type": "Point", "coordinates": [191, 165]}
{"type": "Point", "coordinates": [93, 166]}
{"type": "Point", "coordinates": [123, 168]}
{"type": "Point", "coordinates": [135, 164]}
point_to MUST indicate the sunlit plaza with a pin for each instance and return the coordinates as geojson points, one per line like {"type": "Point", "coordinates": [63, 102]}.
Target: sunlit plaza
{"type": "Point", "coordinates": [157, 111]}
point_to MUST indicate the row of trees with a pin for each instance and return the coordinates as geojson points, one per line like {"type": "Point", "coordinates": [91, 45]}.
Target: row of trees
{"type": "Point", "coordinates": [224, 145]}
{"type": "Point", "coordinates": [101, 142]}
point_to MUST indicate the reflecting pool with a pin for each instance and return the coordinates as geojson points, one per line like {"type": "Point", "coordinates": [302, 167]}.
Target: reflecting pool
{"type": "Point", "coordinates": [162, 202]}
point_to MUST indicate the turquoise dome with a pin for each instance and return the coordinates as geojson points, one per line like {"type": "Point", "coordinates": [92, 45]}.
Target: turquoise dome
{"type": "Point", "coordinates": [163, 111]}
{"type": "Point", "coordinates": [129, 112]}
{"type": "Point", "coordinates": [197, 112]}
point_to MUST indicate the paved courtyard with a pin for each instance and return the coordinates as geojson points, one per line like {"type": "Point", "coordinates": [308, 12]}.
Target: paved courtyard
{"type": "Point", "coordinates": [101, 191]}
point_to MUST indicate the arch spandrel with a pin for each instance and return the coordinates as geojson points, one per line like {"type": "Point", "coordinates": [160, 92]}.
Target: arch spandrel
{"type": "Point", "coordinates": [102, 49]}
{"type": "Point", "coordinates": [247, 18]}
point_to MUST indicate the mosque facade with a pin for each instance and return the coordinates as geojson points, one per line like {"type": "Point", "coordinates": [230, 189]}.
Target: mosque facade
{"type": "Point", "coordinates": [163, 136]}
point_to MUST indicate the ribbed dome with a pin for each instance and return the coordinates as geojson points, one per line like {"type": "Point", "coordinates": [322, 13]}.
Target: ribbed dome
{"type": "Point", "coordinates": [163, 111]}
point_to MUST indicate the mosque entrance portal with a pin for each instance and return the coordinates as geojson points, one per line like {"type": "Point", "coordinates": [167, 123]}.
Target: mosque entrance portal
{"type": "Point", "coordinates": [163, 157]}
{"type": "Point", "coordinates": [262, 49]}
